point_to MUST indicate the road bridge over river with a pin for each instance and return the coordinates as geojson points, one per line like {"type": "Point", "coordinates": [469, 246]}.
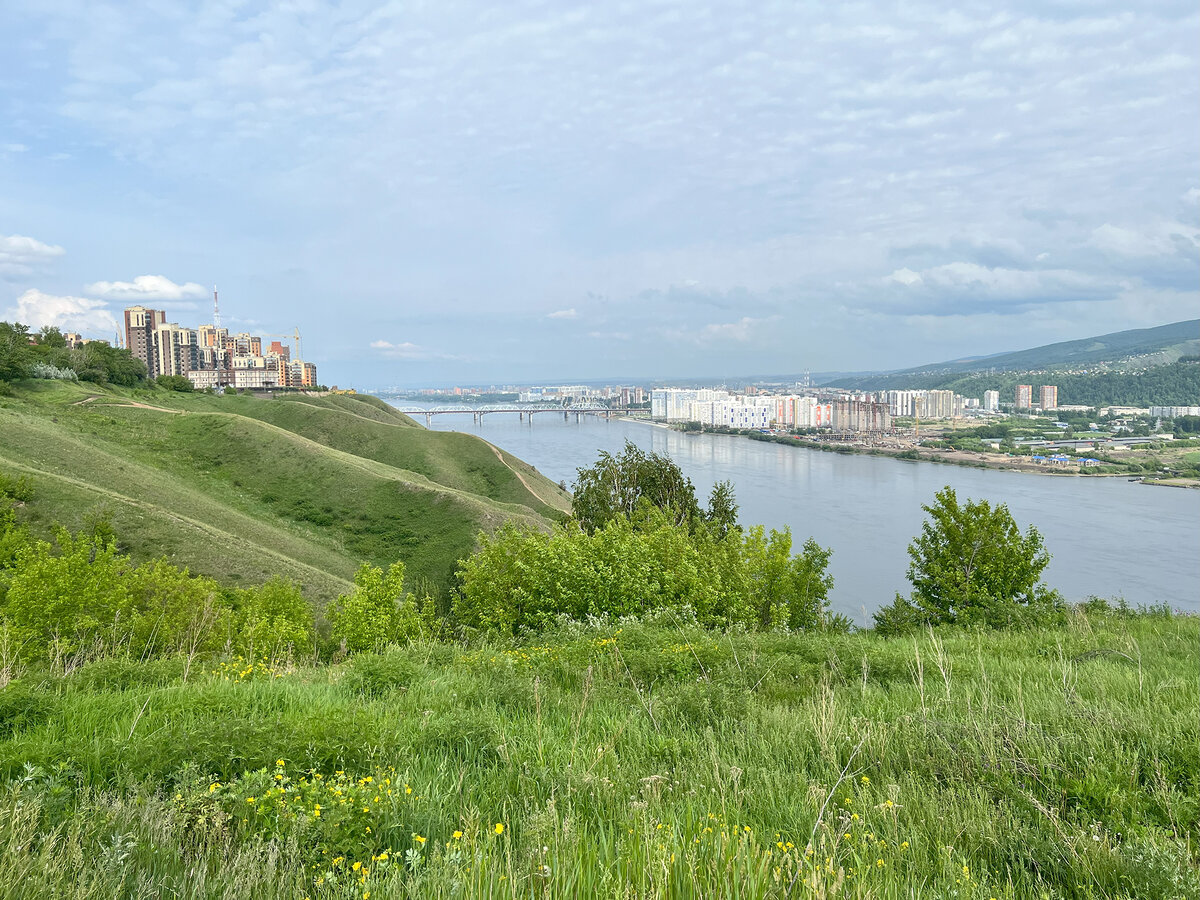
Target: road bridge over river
{"type": "Point", "coordinates": [524, 410]}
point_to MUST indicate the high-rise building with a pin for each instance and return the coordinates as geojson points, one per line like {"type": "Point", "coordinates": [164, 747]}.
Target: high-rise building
{"type": "Point", "coordinates": [175, 348]}
{"type": "Point", "coordinates": [1024, 396]}
{"type": "Point", "coordinates": [1049, 396]}
{"type": "Point", "coordinates": [991, 401]}
{"type": "Point", "coordinates": [140, 327]}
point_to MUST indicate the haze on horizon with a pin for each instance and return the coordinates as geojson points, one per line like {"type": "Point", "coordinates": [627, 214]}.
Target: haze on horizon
{"type": "Point", "coordinates": [459, 192]}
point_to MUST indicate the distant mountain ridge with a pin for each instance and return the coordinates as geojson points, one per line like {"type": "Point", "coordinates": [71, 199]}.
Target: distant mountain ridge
{"type": "Point", "coordinates": [1140, 347]}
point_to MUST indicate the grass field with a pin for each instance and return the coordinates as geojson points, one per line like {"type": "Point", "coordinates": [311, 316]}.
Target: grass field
{"type": "Point", "coordinates": [241, 488]}
{"type": "Point", "coordinates": [623, 760]}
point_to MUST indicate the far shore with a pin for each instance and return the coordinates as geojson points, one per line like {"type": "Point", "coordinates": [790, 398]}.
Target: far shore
{"type": "Point", "coordinates": [946, 456]}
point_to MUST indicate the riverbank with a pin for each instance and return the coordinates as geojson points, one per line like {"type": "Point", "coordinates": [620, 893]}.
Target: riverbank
{"type": "Point", "coordinates": [975, 459]}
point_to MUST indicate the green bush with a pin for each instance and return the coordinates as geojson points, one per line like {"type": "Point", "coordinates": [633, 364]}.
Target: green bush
{"type": "Point", "coordinates": [378, 612]}
{"type": "Point", "coordinates": [526, 579]}
{"type": "Point", "coordinates": [273, 620]}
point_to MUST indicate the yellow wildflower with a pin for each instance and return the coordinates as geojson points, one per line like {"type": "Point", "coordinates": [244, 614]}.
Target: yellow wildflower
{"type": "Point", "coordinates": [499, 829]}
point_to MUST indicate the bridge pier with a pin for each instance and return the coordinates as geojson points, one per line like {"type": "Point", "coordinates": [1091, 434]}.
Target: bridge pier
{"type": "Point", "coordinates": [428, 420]}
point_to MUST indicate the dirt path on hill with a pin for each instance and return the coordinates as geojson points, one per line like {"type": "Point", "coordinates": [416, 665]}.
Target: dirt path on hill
{"type": "Point", "coordinates": [520, 477]}
{"type": "Point", "coordinates": [133, 404]}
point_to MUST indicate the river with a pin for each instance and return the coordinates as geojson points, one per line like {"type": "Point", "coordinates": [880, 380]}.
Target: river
{"type": "Point", "coordinates": [1108, 537]}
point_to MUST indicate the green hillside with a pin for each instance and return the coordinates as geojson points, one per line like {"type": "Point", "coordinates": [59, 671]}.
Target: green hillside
{"type": "Point", "coordinates": [1139, 348]}
{"type": "Point", "coordinates": [240, 488]}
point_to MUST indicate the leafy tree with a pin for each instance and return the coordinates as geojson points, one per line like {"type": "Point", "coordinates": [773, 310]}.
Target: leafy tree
{"type": "Point", "coordinates": [378, 612]}
{"type": "Point", "coordinates": [722, 509]}
{"type": "Point", "coordinates": [972, 564]}
{"type": "Point", "coordinates": [15, 352]}
{"type": "Point", "coordinates": [616, 485]}
{"type": "Point", "coordinates": [50, 336]}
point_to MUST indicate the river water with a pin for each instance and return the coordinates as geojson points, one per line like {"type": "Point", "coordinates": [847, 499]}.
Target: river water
{"type": "Point", "coordinates": [1108, 537]}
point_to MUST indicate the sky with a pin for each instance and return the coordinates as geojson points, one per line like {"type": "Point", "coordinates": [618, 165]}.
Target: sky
{"type": "Point", "coordinates": [449, 192]}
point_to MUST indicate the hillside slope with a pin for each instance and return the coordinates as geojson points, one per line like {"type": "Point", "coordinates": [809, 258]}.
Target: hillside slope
{"type": "Point", "coordinates": [241, 488]}
{"type": "Point", "coordinates": [1140, 348]}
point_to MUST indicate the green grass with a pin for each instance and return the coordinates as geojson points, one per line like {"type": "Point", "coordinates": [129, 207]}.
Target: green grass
{"type": "Point", "coordinates": [239, 488]}
{"type": "Point", "coordinates": [637, 760]}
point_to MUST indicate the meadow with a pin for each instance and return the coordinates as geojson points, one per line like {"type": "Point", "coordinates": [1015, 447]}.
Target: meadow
{"type": "Point", "coordinates": [630, 758]}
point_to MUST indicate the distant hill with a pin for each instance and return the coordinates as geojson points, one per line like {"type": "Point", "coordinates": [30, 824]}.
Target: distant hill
{"type": "Point", "coordinates": [1139, 348]}
{"type": "Point", "coordinates": [240, 488]}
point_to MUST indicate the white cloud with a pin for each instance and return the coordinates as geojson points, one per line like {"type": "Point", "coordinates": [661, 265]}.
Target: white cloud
{"type": "Point", "coordinates": [905, 276]}
{"type": "Point", "coordinates": [563, 314]}
{"type": "Point", "coordinates": [147, 287]}
{"type": "Point", "coordinates": [740, 331]}
{"type": "Point", "coordinates": [20, 255]}
{"type": "Point", "coordinates": [408, 350]}
{"type": "Point", "coordinates": [1157, 239]}
{"type": "Point", "coordinates": [82, 314]}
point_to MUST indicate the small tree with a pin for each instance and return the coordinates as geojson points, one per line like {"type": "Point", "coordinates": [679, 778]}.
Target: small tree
{"type": "Point", "coordinates": [378, 612]}
{"type": "Point", "coordinates": [971, 564]}
{"type": "Point", "coordinates": [617, 485]}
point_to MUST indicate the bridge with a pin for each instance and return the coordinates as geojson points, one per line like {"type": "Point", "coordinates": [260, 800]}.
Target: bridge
{"type": "Point", "coordinates": [523, 410]}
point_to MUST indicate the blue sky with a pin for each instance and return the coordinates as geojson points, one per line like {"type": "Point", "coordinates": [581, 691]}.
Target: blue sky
{"type": "Point", "coordinates": [460, 193]}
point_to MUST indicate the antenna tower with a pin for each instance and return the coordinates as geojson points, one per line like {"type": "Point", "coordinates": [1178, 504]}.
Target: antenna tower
{"type": "Point", "coordinates": [216, 309]}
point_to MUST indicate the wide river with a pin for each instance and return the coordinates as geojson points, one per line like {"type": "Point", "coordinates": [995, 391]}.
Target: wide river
{"type": "Point", "coordinates": [1108, 537]}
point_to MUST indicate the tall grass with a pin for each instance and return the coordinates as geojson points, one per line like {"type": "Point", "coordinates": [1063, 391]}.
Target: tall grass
{"type": "Point", "coordinates": [621, 759]}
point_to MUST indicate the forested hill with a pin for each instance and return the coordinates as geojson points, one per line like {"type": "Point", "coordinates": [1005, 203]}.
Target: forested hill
{"type": "Point", "coordinates": [241, 488]}
{"type": "Point", "coordinates": [1123, 352]}
{"type": "Point", "coordinates": [1177, 384]}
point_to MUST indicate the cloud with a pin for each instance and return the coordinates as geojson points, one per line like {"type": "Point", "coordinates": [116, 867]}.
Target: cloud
{"type": "Point", "coordinates": [408, 351]}
{"type": "Point", "coordinates": [20, 255]}
{"type": "Point", "coordinates": [966, 288]}
{"type": "Point", "coordinates": [741, 331]}
{"type": "Point", "coordinates": [82, 314]}
{"type": "Point", "coordinates": [563, 314]}
{"type": "Point", "coordinates": [1160, 239]}
{"type": "Point", "coordinates": [905, 276]}
{"type": "Point", "coordinates": [148, 287]}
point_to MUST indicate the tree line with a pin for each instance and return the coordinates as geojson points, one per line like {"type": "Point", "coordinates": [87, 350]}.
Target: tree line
{"type": "Point", "coordinates": [637, 542]}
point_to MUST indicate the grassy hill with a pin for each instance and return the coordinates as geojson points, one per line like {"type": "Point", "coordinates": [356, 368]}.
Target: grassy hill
{"type": "Point", "coordinates": [241, 488]}
{"type": "Point", "coordinates": [1137, 348]}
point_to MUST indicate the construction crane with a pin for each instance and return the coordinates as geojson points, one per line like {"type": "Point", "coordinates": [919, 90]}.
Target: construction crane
{"type": "Point", "coordinates": [294, 336]}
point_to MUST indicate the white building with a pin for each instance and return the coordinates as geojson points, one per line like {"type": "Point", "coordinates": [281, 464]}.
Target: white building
{"type": "Point", "coordinates": [991, 401]}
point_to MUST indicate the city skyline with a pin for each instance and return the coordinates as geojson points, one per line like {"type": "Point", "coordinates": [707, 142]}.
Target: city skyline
{"type": "Point", "coordinates": [456, 195]}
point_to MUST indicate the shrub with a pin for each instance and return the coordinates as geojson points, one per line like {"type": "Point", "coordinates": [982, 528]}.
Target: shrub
{"type": "Point", "coordinates": [378, 612]}
{"type": "Point", "coordinates": [273, 620]}
{"type": "Point", "coordinates": [179, 383]}
{"type": "Point", "coordinates": [526, 579]}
